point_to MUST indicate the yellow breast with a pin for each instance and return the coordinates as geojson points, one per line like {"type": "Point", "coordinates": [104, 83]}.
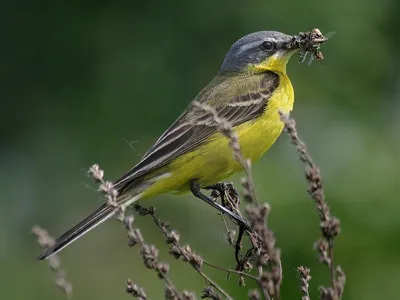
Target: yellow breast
{"type": "Point", "coordinates": [259, 135]}
{"type": "Point", "coordinates": [214, 161]}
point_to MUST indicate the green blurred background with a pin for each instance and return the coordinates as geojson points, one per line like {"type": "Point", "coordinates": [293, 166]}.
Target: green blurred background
{"type": "Point", "coordinates": [86, 82]}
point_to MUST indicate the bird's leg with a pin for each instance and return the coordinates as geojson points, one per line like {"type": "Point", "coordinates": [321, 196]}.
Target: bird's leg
{"type": "Point", "coordinates": [246, 258]}
{"type": "Point", "coordinates": [222, 187]}
{"type": "Point", "coordinates": [196, 191]}
{"type": "Point", "coordinates": [228, 194]}
{"type": "Point", "coordinates": [238, 245]}
{"type": "Point", "coordinates": [230, 199]}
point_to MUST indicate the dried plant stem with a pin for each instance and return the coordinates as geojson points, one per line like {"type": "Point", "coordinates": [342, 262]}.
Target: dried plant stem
{"type": "Point", "coordinates": [305, 277]}
{"type": "Point", "coordinates": [265, 293]}
{"type": "Point", "coordinates": [215, 285]}
{"type": "Point", "coordinates": [332, 265]}
{"type": "Point", "coordinates": [230, 271]}
{"type": "Point", "coordinates": [135, 290]}
{"type": "Point", "coordinates": [173, 238]}
{"type": "Point", "coordinates": [149, 252]}
{"type": "Point", "coordinates": [329, 225]}
{"type": "Point", "coordinates": [262, 238]}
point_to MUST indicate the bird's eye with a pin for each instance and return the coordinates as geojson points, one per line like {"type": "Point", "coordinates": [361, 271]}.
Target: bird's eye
{"type": "Point", "coordinates": [267, 46]}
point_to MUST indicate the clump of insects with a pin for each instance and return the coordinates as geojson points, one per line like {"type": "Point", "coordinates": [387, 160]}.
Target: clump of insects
{"type": "Point", "coordinates": [309, 43]}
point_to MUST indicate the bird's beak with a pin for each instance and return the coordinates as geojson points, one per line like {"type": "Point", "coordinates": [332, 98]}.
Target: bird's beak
{"type": "Point", "coordinates": [287, 49]}
{"type": "Point", "coordinates": [291, 44]}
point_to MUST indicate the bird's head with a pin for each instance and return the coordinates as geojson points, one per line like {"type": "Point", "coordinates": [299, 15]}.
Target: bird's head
{"type": "Point", "coordinates": [259, 51]}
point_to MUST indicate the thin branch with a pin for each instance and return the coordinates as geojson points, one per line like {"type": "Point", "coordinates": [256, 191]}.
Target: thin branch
{"type": "Point", "coordinates": [329, 225]}
{"type": "Point", "coordinates": [178, 251]}
{"type": "Point", "coordinates": [230, 270]}
{"type": "Point", "coordinates": [149, 252]}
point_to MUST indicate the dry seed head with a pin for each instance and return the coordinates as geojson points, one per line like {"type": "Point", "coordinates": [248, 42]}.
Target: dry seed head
{"type": "Point", "coordinates": [163, 268]}
{"type": "Point", "coordinates": [254, 295]}
{"type": "Point", "coordinates": [170, 293]}
{"type": "Point", "coordinates": [327, 293]}
{"type": "Point", "coordinates": [175, 252]}
{"type": "Point", "coordinates": [173, 237]}
{"type": "Point", "coordinates": [135, 290]}
{"type": "Point", "coordinates": [196, 260]}
{"type": "Point", "coordinates": [128, 221]}
{"type": "Point", "coordinates": [330, 228]}
{"type": "Point", "coordinates": [150, 255]}
{"type": "Point", "coordinates": [96, 173]}
{"type": "Point", "coordinates": [208, 293]}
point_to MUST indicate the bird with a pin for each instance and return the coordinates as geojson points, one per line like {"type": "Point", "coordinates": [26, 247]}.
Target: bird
{"type": "Point", "coordinates": [249, 91]}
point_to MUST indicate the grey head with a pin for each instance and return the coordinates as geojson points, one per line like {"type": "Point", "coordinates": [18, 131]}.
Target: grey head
{"type": "Point", "coordinates": [254, 48]}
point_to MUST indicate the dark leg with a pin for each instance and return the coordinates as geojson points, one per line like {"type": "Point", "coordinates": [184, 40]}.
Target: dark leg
{"type": "Point", "coordinates": [238, 245]}
{"type": "Point", "coordinates": [242, 222]}
{"type": "Point", "coordinates": [226, 190]}
{"type": "Point", "coordinates": [223, 187]}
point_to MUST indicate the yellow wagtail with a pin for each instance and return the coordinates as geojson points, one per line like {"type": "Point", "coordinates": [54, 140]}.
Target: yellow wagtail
{"type": "Point", "coordinates": [248, 91]}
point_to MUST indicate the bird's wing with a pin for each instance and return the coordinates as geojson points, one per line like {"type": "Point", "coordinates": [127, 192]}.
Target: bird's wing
{"type": "Point", "coordinates": [194, 126]}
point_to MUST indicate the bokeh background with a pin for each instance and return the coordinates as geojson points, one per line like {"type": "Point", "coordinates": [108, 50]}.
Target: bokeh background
{"type": "Point", "coordinates": [98, 81]}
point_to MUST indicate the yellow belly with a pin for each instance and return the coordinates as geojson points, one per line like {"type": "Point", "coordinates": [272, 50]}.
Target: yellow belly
{"type": "Point", "coordinates": [214, 161]}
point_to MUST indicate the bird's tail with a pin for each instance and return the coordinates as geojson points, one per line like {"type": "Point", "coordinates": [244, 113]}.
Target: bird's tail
{"type": "Point", "coordinates": [97, 217]}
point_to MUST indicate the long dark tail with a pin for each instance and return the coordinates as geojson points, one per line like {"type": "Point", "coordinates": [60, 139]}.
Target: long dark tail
{"type": "Point", "coordinates": [100, 215]}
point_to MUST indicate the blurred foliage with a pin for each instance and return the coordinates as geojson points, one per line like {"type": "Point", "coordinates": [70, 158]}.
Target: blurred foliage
{"type": "Point", "coordinates": [85, 82]}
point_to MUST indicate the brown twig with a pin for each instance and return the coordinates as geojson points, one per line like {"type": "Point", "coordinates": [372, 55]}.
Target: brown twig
{"type": "Point", "coordinates": [150, 259]}
{"type": "Point", "coordinates": [178, 251]}
{"type": "Point", "coordinates": [231, 200]}
{"type": "Point", "coordinates": [329, 225]}
{"type": "Point", "coordinates": [149, 252]}
{"type": "Point", "coordinates": [45, 241]}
